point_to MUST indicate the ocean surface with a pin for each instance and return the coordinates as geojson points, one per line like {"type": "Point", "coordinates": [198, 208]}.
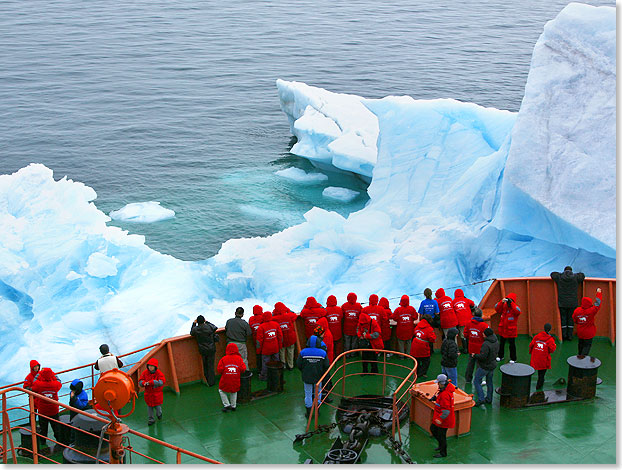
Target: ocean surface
{"type": "Point", "coordinates": [176, 101]}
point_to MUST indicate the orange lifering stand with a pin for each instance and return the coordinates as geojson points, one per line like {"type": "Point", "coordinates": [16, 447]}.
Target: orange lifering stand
{"type": "Point", "coordinates": [112, 392]}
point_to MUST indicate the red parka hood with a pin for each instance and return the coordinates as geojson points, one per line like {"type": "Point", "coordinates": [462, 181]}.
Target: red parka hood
{"type": "Point", "coordinates": [257, 309]}
{"type": "Point", "coordinates": [459, 293]}
{"type": "Point", "coordinates": [450, 387]}
{"type": "Point", "coordinates": [405, 301]}
{"type": "Point", "coordinates": [266, 317]}
{"type": "Point", "coordinates": [373, 300]}
{"type": "Point", "coordinates": [423, 323]}
{"type": "Point", "coordinates": [512, 296]}
{"type": "Point", "coordinates": [153, 362]}
{"type": "Point", "coordinates": [323, 322]}
{"type": "Point", "coordinates": [331, 301]}
{"type": "Point", "coordinates": [586, 303]}
{"type": "Point", "coordinates": [364, 319]}
{"type": "Point", "coordinates": [384, 302]}
{"type": "Point", "coordinates": [46, 374]}
{"type": "Point", "coordinates": [232, 349]}
{"type": "Point", "coordinates": [311, 303]}
{"type": "Point", "coordinates": [351, 297]}
{"type": "Point", "coordinates": [280, 308]}
{"type": "Point", "coordinates": [34, 364]}
{"type": "Point", "coordinates": [440, 293]}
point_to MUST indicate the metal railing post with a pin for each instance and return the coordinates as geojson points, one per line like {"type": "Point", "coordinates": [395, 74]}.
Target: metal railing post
{"type": "Point", "coordinates": [343, 380]}
{"type": "Point", "coordinates": [384, 372]}
{"type": "Point", "coordinates": [315, 403]}
{"type": "Point", "coordinates": [4, 429]}
{"type": "Point", "coordinates": [33, 430]}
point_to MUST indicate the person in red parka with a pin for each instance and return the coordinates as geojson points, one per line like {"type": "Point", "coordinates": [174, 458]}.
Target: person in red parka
{"type": "Point", "coordinates": [30, 378]}
{"type": "Point", "coordinates": [464, 311]}
{"type": "Point", "coordinates": [368, 331]}
{"type": "Point", "coordinates": [254, 321]}
{"type": "Point", "coordinates": [351, 311]}
{"type": "Point", "coordinates": [508, 325]}
{"type": "Point", "coordinates": [153, 380]}
{"type": "Point", "coordinates": [540, 348]}
{"type": "Point", "coordinates": [405, 315]}
{"type": "Point", "coordinates": [287, 321]}
{"type": "Point", "coordinates": [385, 326]}
{"type": "Point", "coordinates": [446, 311]}
{"type": "Point", "coordinates": [47, 384]}
{"type": "Point", "coordinates": [311, 313]}
{"type": "Point", "coordinates": [375, 311]}
{"type": "Point", "coordinates": [443, 417]}
{"type": "Point", "coordinates": [327, 338]}
{"type": "Point", "coordinates": [230, 368]}
{"type": "Point", "coordinates": [474, 333]}
{"type": "Point", "coordinates": [583, 318]}
{"type": "Point", "coordinates": [334, 315]}
{"type": "Point", "coordinates": [420, 348]}
{"type": "Point", "coordinates": [269, 342]}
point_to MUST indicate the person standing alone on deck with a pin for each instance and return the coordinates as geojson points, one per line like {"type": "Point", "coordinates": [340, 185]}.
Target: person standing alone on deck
{"type": "Point", "coordinates": [205, 334]}
{"type": "Point", "coordinates": [567, 297]}
{"type": "Point", "coordinates": [508, 325]}
{"type": "Point", "coordinates": [152, 379]}
{"type": "Point", "coordinates": [540, 348]}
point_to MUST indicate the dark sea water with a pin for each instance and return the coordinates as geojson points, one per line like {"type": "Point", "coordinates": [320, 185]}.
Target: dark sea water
{"type": "Point", "coordinates": [176, 101]}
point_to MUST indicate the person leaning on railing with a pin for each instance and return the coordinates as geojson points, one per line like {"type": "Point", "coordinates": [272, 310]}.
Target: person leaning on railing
{"type": "Point", "coordinates": [107, 361]}
{"type": "Point", "coordinates": [48, 385]}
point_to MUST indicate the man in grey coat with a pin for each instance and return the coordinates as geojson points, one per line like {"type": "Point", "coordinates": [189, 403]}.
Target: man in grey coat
{"type": "Point", "coordinates": [238, 330]}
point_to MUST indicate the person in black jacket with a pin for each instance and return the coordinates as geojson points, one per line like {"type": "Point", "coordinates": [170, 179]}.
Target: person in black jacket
{"type": "Point", "coordinates": [567, 298]}
{"type": "Point", "coordinates": [205, 334]}
{"type": "Point", "coordinates": [486, 365]}
{"type": "Point", "coordinates": [449, 356]}
{"type": "Point", "coordinates": [312, 362]}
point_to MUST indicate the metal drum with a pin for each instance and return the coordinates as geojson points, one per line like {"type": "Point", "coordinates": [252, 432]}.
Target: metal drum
{"type": "Point", "coordinates": [275, 376]}
{"type": "Point", "coordinates": [515, 385]}
{"type": "Point", "coordinates": [244, 395]}
{"type": "Point", "coordinates": [582, 375]}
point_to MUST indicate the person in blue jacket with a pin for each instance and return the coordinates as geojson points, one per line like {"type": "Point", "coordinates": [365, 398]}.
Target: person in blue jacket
{"type": "Point", "coordinates": [312, 362]}
{"type": "Point", "coordinates": [78, 398]}
{"type": "Point", "coordinates": [429, 306]}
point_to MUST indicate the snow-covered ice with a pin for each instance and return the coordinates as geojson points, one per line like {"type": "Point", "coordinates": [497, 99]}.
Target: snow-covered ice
{"type": "Point", "coordinates": [301, 176]}
{"type": "Point", "coordinates": [144, 212]}
{"type": "Point", "coordinates": [339, 194]}
{"type": "Point", "coordinates": [458, 193]}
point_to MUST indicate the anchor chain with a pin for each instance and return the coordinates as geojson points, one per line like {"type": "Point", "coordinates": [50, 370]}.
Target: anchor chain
{"type": "Point", "coordinates": [399, 450]}
{"type": "Point", "coordinates": [320, 429]}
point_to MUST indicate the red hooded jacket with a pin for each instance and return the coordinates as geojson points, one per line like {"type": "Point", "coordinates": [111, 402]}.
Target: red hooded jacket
{"type": "Point", "coordinates": [474, 333]}
{"type": "Point", "coordinates": [351, 311]}
{"type": "Point", "coordinates": [448, 316]}
{"type": "Point", "coordinates": [30, 378]}
{"type": "Point", "coordinates": [328, 339]}
{"type": "Point", "coordinates": [462, 307]}
{"type": "Point", "coordinates": [540, 348]}
{"type": "Point", "coordinates": [269, 336]}
{"type": "Point", "coordinates": [366, 328]}
{"type": "Point", "coordinates": [385, 326]}
{"type": "Point", "coordinates": [311, 313]}
{"type": "Point", "coordinates": [424, 335]}
{"type": "Point", "coordinates": [508, 324]}
{"type": "Point", "coordinates": [445, 401]}
{"type": "Point", "coordinates": [230, 367]}
{"type": "Point", "coordinates": [334, 315]}
{"type": "Point", "coordinates": [405, 315]}
{"type": "Point", "coordinates": [255, 320]}
{"type": "Point", "coordinates": [154, 395]}
{"type": "Point", "coordinates": [375, 311]}
{"type": "Point", "coordinates": [584, 315]}
{"type": "Point", "coordinates": [287, 321]}
{"type": "Point", "coordinates": [48, 385]}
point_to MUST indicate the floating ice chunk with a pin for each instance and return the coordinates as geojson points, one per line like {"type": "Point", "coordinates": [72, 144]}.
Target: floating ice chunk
{"type": "Point", "coordinates": [143, 212]}
{"type": "Point", "coordinates": [100, 265]}
{"type": "Point", "coordinates": [301, 176]}
{"type": "Point", "coordinates": [339, 194]}
{"type": "Point", "coordinates": [72, 275]}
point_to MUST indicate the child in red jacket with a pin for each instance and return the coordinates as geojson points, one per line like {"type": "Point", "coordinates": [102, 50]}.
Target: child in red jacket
{"type": "Point", "coordinates": [230, 368]}
{"type": "Point", "coordinates": [583, 317]}
{"type": "Point", "coordinates": [153, 380]}
{"type": "Point", "coordinates": [540, 348]}
{"type": "Point", "coordinates": [420, 348]}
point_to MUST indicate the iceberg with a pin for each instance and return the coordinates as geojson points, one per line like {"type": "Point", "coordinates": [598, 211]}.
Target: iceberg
{"type": "Point", "coordinates": [143, 212]}
{"type": "Point", "coordinates": [301, 176]}
{"type": "Point", "coordinates": [459, 193]}
{"type": "Point", "coordinates": [339, 194]}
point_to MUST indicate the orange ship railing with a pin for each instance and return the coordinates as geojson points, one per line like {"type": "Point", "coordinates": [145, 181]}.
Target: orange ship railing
{"type": "Point", "coordinates": [340, 365]}
{"type": "Point", "coordinates": [9, 426]}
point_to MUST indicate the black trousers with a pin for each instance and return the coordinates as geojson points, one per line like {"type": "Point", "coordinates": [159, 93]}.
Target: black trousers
{"type": "Point", "coordinates": [423, 365]}
{"type": "Point", "coordinates": [468, 375]}
{"type": "Point", "coordinates": [565, 315]}
{"type": "Point", "coordinates": [540, 383]}
{"type": "Point", "coordinates": [208, 367]}
{"type": "Point", "coordinates": [369, 356]}
{"type": "Point", "coordinates": [584, 346]}
{"type": "Point", "coordinates": [512, 342]}
{"type": "Point", "coordinates": [43, 422]}
{"type": "Point", "coordinates": [440, 434]}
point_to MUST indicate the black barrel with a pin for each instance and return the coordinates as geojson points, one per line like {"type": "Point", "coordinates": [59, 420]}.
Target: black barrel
{"type": "Point", "coordinates": [85, 442]}
{"type": "Point", "coordinates": [26, 442]}
{"type": "Point", "coordinates": [582, 375]}
{"type": "Point", "coordinates": [244, 395]}
{"type": "Point", "coordinates": [65, 431]}
{"type": "Point", "coordinates": [515, 385]}
{"type": "Point", "coordinates": [275, 376]}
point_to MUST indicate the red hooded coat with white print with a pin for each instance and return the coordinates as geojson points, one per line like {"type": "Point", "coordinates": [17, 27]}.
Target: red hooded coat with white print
{"type": "Point", "coordinates": [508, 324]}
{"type": "Point", "coordinates": [424, 335]}
{"type": "Point", "coordinates": [404, 316]}
{"type": "Point", "coordinates": [287, 321]}
{"type": "Point", "coordinates": [369, 329]}
{"type": "Point", "coordinates": [334, 315]}
{"type": "Point", "coordinates": [327, 339]}
{"type": "Point", "coordinates": [311, 313]}
{"type": "Point", "coordinates": [540, 348]}
{"type": "Point", "coordinates": [269, 336]}
{"type": "Point", "coordinates": [48, 385]}
{"type": "Point", "coordinates": [385, 326]}
{"type": "Point", "coordinates": [462, 307]}
{"type": "Point", "coordinates": [447, 313]}
{"type": "Point", "coordinates": [230, 367]}
{"type": "Point", "coordinates": [584, 315]}
{"type": "Point", "coordinates": [351, 311]}
{"type": "Point", "coordinates": [375, 311]}
{"type": "Point", "coordinates": [154, 395]}
{"type": "Point", "coordinates": [255, 320]}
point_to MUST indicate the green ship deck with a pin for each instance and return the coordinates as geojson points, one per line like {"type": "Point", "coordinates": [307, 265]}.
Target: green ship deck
{"type": "Point", "coordinates": [263, 431]}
